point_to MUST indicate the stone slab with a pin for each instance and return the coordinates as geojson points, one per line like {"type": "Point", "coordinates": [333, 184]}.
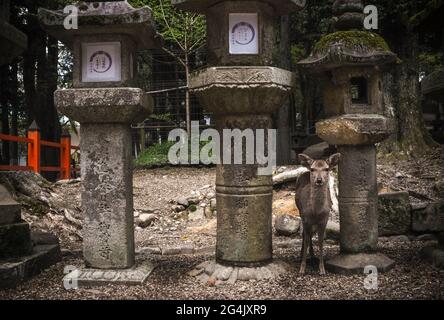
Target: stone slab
{"type": "Point", "coordinates": [348, 264]}
{"type": "Point", "coordinates": [98, 277]}
{"type": "Point", "coordinates": [15, 271]}
{"type": "Point", "coordinates": [15, 240]}
{"type": "Point", "coordinates": [10, 210]}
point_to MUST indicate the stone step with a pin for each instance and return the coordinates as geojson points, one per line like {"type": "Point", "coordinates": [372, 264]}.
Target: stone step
{"type": "Point", "coordinates": [15, 240]}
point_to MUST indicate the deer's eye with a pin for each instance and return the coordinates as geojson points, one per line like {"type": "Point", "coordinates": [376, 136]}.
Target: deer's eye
{"type": "Point", "coordinates": [326, 170]}
{"type": "Point", "coordinates": [312, 170]}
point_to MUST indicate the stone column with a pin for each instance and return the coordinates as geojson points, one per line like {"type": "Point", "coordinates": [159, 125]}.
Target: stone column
{"type": "Point", "coordinates": [244, 203]}
{"type": "Point", "coordinates": [358, 199]}
{"type": "Point", "coordinates": [107, 196]}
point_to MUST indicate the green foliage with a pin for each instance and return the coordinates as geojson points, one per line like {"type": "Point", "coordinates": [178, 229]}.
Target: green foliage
{"type": "Point", "coordinates": [156, 154]}
{"type": "Point", "coordinates": [183, 31]}
{"type": "Point", "coordinates": [161, 117]}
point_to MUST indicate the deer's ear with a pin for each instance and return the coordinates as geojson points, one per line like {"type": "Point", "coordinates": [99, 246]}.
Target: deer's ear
{"type": "Point", "coordinates": [305, 160]}
{"type": "Point", "coordinates": [333, 161]}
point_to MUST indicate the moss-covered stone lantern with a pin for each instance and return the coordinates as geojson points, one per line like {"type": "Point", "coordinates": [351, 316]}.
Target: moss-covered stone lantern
{"type": "Point", "coordinates": [349, 62]}
{"type": "Point", "coordinates": [242, 89]}
{"type": "Point", "coordinates": [105, 46]}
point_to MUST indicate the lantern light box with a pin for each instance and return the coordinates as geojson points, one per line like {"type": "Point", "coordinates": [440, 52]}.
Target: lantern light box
{"type": "Point", "coordinates": [243, 33]}
{"type": "Point", "coordinates": [101, 61]}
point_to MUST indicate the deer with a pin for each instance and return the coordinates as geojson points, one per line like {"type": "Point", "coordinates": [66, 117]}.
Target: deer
{"type": "Point", "coordinates": [314, 204]}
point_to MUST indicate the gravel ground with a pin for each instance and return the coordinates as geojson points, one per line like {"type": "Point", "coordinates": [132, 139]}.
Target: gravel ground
{"type": "Point", "coordinates": [410, 279]}
{"type": "Point", "coordinates": [154, 190]}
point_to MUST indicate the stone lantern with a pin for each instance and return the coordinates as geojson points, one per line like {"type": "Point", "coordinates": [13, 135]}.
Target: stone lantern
{"type": "Point", "coordinates": [13, 41]}
{"type": "Point", "coordinates": [104, 46]}
{"type": "Point", "coordinates": [349, 63]}
{"type": "Point", "coordinates": [242, 89]}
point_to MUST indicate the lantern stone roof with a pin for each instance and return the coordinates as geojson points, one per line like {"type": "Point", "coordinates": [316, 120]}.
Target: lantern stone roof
{"type": "Point", "coordinates": [348, 48]}
{"type": "Point", "coordinates": [200, 6]}
{"type": "Point", "coordinates": [106, 17]}
{"type": "Point", "coordinates": [433, 85]}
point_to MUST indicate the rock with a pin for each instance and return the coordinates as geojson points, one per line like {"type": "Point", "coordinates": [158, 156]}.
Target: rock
{"type": "Point", "coordinates": [183, 202]}
{"type": "Point", "coordinates": [287, 225]}
{"type": "Point", "coordinates": [430, 219]}
{"type": "Point", "coordinates": [150, 250]}
{"type": "Point", "coordinates": [146, 219]}
{"type": "Point", "coordinates": [332, 231]}
{"type": "Point", "coordinates": [136, 214]}
{"type": "Point", "coordinates": [401, 238]}
{"type": "Point", "coordinates": [193, 200]}
{"type": "Point", "coordinates": [213, 204]}
{"type": "Point", "coordinates": [394, 213]}
{"type": "Point", "coordinates": [281, 169]}
{"type": "Point", "coordinates": [434, 255]}
{"type": "Point", "coordinates": [199, 214]}
{"type": "Point", "coordinates": [210, 195]}
{"type": "Point", "coordinates": [426, 237]}
{"type": "Point", "coordinates": [43, 238]}
{"type": "Point", "coordinates": [439, 188]}
{"type": "Point", "coordinates": [178, 208]}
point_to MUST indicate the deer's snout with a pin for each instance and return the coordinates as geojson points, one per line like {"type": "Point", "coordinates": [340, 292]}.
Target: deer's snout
{"type": "Point", "coordinates": [319, 182]}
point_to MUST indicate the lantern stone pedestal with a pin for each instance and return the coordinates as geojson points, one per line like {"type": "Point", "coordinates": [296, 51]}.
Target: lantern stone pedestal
{"type": "Point", "coordinates": [242, 89]}
{"type": "Point", "coordinates": [349, 64]}
{"type": "Point", "coordinates": [242, 98]}
{"type": "Point", "coordinates": [102, 101]}
{"type": "Point", "coordinates": [105, 115]}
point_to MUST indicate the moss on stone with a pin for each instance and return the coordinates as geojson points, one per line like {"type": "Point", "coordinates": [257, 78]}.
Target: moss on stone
{"type": "Point", "coordinates": [353, 40]}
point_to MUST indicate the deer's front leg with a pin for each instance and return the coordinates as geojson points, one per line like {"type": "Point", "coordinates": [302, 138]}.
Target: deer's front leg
{"type": "Point", "coordinates": [321, 234]}
{"type": "Point", "coordinates": [305, 244]}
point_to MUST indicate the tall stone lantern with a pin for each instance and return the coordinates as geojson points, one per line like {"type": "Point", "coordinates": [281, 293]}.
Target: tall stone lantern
{"type": "Point", "coordinates": [349, 63]}
{"type": "Point", "coordinates": [104, 46]}
{"type": "Point", "coordinates": [242, 89]}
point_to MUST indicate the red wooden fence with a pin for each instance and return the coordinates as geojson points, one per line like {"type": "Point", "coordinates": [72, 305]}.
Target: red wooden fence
{"type": "Point", "coordinates": [34, 147]}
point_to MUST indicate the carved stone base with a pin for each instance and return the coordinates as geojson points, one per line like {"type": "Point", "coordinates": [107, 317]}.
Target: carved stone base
{"type": "Point", "coordinates": [348, 264]}
{"type": "Point", "coordinates": [434, 255]}
{"type": "Point", "coordinates": [220, 274]}
{"type": "Point", "coordinates": [16, 270]}
{"type": "Point", "coordinates": [98, 277]}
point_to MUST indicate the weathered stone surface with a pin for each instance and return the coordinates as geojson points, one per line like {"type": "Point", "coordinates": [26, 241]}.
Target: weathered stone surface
{"type": "Point", "coordinates": [95, 277]}
{"type": "Point", "coordinates": [287, 225]}
{"type": "Point", "coordinates": [117, 17]}
{"type": "Point", "coordinates": [43, 238]}
{"type": "Point", "coordinates": [104, 105]}
{"type": "Point", "coordinates": [394, 213]}
{"type": "Point", "coordinates": [434, 255]}
{"type": "Point", "coordinates": [348, 264]}
{"type": "Point", "coordinates": [146, 219]}
{"type": "Point", "coordinates": [10, 210]}
{"type": "Point", "coordinates": [358, 199]}
{"type": "Point", "coordinates": [107, 197]}
{"type": "Point", "coordinates": [439, 188]}
{"type": "Point", "coordinates": [14, 271]}
{"type": "Point", "coordinates": [210, 270]}
{"type": "Point", "coordinates": [15, 240]}
{"type": "Point", "coordinates": [201, 6]}
{"type": "Point", "coordinates": [242, 90]}
{"type": "Point", "coordinates": [353, 129]}
{"type": "Point", "coordinates": [430, 219]}
{"type": "Point", "coordinates": [183, 202]}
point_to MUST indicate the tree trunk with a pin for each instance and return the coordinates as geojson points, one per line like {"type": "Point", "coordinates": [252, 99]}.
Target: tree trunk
{"type": "Point", "coordinates": [403, 100]}
{"type": "Point", "coordinates": [14, 116]}
{"type": "Point", "coordinates": [187, 95]}
{"type": "Point", "coordinates": [4, 102]}
{"type": "Point", "coordinates": [282, 117]}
